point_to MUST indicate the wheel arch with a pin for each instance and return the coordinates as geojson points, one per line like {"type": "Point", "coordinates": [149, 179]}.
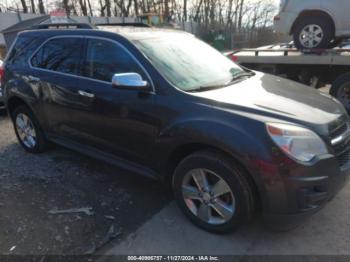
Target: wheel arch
{"type": "Point", "coordinates": [184, 150]}
{"type": "Point", "coordinates": [14, 102]}
{"type": "Point", "coordinates": [313, 12]}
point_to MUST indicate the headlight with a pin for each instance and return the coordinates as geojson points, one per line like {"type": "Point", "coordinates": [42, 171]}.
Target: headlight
{"type": "Point", "coordinates": [297, 142]}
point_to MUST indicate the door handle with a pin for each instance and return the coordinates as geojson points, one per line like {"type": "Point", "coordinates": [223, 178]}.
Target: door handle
{"type": "Point", "coordinates": [33, 79]}
{"type": "Point", "coordinates": [86, 94]}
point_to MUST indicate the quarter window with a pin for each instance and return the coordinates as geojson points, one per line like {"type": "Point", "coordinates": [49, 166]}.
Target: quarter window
{"type": "Point", "coordinates": [105, 58]}
{"type": "Point", "coordinates": [60, 55]}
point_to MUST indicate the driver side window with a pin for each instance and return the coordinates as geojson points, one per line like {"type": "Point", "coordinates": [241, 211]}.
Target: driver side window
{"type": "Point", "coordinates": [105, 58]}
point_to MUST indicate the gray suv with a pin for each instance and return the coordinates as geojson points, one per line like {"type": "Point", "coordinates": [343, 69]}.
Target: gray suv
{"type": "Point", "coordinates": [314, 23]}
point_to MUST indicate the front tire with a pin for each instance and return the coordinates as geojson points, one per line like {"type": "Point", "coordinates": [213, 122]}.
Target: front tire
{"type": "Point", "coordinates": [341, 90]}
{"type": "Point", "coordinates": [213, 192]}
{"type": "Point", "coordinates": [28, 131]}
{"type": "Point", "coordinates": [315, 32]}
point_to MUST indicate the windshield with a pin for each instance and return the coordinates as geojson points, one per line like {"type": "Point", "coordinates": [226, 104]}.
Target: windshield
{"type": "Point", "coordinates": [189, 63]}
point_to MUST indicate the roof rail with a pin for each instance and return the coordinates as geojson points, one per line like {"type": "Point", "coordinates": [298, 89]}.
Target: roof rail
{"type": "Point", "coordinates": [137, 24]}
{"type": "Point", "coordinates": [63, 26]}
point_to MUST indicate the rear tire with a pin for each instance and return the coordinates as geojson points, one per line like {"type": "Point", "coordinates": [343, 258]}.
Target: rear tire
{"type": "Point", "coordinates": [341, 90]}
{"type": "Point", "coordinates": [229, 207]}
{"type": "Point", "coordinates": [28, 130]}
{"type": "Point", "coordinates": [315, 32]}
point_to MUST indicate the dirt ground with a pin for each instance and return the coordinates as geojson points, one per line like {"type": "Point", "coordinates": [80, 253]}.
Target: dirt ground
{"type": "Point", "coordinates": [34, 189]}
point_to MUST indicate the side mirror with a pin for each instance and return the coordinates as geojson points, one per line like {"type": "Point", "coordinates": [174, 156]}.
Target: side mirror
{"type": "Point", "coordinates": [131, 81]}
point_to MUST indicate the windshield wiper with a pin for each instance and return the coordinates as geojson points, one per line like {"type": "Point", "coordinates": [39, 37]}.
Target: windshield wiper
{"type": "Point", "coordinates": [240, 76]}
{"type": "Point", "coordinates": [206, 88]}
{"type": "Point", "coordinates": [232, 81]}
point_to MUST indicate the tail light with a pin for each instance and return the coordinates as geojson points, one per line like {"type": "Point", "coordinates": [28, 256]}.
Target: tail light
{"type": "Point", "coordinates": [234, 58]}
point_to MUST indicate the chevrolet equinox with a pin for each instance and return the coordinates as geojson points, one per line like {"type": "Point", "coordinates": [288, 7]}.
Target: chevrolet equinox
{"type": "Point", "coordinates": [229, 141]}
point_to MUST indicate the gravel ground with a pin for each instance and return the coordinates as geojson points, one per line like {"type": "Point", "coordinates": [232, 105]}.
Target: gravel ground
{"type": "Point", "coordinates": [116, 202]}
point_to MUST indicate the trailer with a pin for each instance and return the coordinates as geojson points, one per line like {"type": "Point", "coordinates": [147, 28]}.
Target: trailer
{"type": "Point", "coordinates": [316, 68]}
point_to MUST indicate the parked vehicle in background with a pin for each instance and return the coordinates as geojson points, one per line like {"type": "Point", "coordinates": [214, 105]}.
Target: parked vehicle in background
{"type": "Point", "coordinates": [2, 104]}
{"type": "Point", "coordinates": [314, 23]}
{"type": "Point", "coordinates": [227, 140]}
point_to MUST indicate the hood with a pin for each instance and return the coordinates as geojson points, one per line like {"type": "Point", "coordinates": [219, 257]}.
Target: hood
{"type": "Point", "coordinates": [275, 97]}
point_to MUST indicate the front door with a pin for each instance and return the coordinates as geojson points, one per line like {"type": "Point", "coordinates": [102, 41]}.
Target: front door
{"type": "Point", "coordinates": [120, 121]}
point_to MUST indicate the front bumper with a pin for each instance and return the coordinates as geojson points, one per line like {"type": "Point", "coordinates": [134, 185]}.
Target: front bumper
{"type": "Point", "coordinates": [306, 191]}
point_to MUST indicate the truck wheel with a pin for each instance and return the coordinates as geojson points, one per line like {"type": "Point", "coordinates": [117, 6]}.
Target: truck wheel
{"type": "Point", "coordinates": [28, 131]}
{"type": "Point", "coordinates": [313, 32]}
{"type": "Point", "coordinates": [341, 90]}
{"type": "Point", "coordinates": [213, 192]}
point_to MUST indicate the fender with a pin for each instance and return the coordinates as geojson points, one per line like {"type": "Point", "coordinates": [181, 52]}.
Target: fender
{"type": "Point", "coordinates": [241, 142]}
{"type": "Point", "coordinates": [29, 94]}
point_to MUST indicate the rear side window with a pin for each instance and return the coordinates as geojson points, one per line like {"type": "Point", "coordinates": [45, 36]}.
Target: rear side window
{"type": "Point", "coordinates": [61, 55]}
{"type": "Point", "coordinates": [22, 50]}
{"type": "Point", "coordinates": [105, 58]}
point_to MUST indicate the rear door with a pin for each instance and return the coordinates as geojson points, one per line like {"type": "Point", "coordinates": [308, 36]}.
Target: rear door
{"type": "Point", "coordinates": [57, 68]}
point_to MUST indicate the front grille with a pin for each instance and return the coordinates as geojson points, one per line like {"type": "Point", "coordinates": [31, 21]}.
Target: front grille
{"type": "Point", "coordinates": [343, 158]}
{"type": "Point", "coordinates": [339, 130]}
{"type": "Point", "coordinates": [342, 146]}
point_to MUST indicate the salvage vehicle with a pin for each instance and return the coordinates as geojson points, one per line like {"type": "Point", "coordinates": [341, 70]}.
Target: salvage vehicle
{"type": "Point", "coordinates": [314, 23]}
{"type": "Point", "coordinates": [230, 142]}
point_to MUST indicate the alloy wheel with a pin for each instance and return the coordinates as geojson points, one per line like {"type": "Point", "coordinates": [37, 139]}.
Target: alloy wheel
{"type": "Point", "coordinates": [26, 130]}
{"type": "Point", "coordinates": [208, 196]}
{"type": "Point", "coordinates": [311, 36]}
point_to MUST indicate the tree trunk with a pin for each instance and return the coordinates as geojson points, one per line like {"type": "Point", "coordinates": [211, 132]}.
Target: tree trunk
{"type": "Point", "coordinates": [83, 7]}
{"type": "Point", "coordinates": [66, 6]}
{"type": "Point", "coordinates": [24, 6]}
{"type": "Point", "coordinates": [41, 7]}
{"type": "Point", "coordinates": [198, 11]}
{"type": "Point", "coordinates": [90, 8]}
{"type": "Point", "coordinates": [108, 8]}
{"type": "Point", "coordinates": [102, 8]}
{"type": "Point", "coordinates": [136, 7]}
{"type": "Point", "coordinates": [166, 9]}
{"type": "Point", "coordinates": [33, 6]}
{"type": "Point", "coordinates": [240, 16]}
{"type": "Point", "coordinates": [185, 11]}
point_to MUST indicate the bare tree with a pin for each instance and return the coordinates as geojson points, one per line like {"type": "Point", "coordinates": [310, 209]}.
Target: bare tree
{"type": "Point", "coordinates": [24, 6]}
{"type": "Point", "coordinates": [32, 6]}
{"type": "Point", "coordinates": [66, 7]}
{"type": "Point", "coordinates": [185, 11]}
{"type": "Point", "coordinates": [83, 7]}
{"type": "Point", "coordinates": [240, 14]}
{"type": "Point", "coordinates": [41, 7]}
{"type": "Point", "coordinates": [90, 8]}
